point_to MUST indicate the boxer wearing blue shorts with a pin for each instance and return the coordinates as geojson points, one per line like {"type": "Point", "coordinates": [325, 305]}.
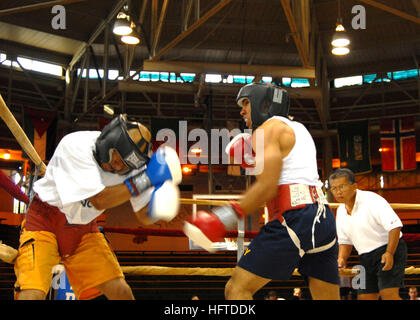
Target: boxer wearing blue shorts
{"type": "Point", "coordinates": [274, 255]}
{"type": "Point", "coordinates": [301, 232]}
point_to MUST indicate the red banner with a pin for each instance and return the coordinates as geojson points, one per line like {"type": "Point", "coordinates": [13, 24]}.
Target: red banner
{"type": "Point", "coordinates": [398, 144]}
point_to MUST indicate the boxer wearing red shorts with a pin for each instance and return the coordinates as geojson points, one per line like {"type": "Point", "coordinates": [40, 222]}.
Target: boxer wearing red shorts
{"type": "Point", "coordinates": [90, 172]}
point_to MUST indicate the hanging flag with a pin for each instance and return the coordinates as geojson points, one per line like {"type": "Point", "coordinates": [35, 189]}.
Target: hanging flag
{"type": "Point", "coordinates": [354, 146]}
{"type": "Point", "coordinates": [398, 144]}
{"type": "Point", "coordinates": [41, 129]}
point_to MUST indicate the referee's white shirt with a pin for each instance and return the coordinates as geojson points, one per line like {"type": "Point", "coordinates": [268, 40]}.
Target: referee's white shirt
{"type": "Point", "coordinates": [369, 223]}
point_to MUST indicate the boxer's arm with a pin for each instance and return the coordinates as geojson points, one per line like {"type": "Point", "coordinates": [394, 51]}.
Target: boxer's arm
{"type": "Point", "coordinates": [143, 218]}
{"type": "Point", "coordinates": [265, 186]}
{"type": "Point", "coordinates": [208, 227]}
{"type": "Point", "coordinates": [111, 197]}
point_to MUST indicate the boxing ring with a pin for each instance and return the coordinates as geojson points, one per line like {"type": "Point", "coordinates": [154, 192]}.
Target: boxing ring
{"type": "Point", "coordinates": [8, 254]}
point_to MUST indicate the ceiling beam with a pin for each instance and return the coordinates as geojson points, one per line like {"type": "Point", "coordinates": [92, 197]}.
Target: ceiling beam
{"type": "Point", "coordinates": [303, 54]}
{"type": "Point", "coordinates": [153, 23]}
{"type": "Point", "coordinates": [158, 29]}
{"type": "Point", "coordinates": [192, 28]}
{"type": "Point", "coordinates": [392, 10]}
{"type": "Point", "coordinates": [230, 68]}
{"type": "Point", "coordinates": [83, 47]}
{"type": "Point", "coordinates": [416, 4]}
{"type": "Point", "coordinates": [186, 15]}
{"type": "Point", "coordinates": [36, 6]}
{"type": "Point", "coordinates": [38, 39]}
{"type": "Point", "coordinates": [217, 88]}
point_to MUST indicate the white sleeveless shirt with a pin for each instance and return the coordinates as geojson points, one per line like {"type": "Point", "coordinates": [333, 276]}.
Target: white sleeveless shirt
{"type": "Point", "coordinates": [300, 165]}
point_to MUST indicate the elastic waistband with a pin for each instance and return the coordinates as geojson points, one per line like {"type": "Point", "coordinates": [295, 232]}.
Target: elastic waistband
{"type": "Point", "coordinates": [293, 197]}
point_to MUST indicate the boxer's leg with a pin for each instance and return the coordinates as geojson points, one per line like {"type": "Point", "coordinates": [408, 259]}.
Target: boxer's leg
{"type": "Point", "coordinates": [321, 290]}
{"type": "Point", "coordinates": [94, 269]}
{"type": "Point", "coordinates": [243, 285]}
{"type": "Point", "coordinates": [37, 255]}
{"type": "Point", "coordinates": [116, 289]}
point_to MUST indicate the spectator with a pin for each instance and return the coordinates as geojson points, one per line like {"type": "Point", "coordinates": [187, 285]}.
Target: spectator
{"type": "Point", "coordinates": [412, 293]}
{"type": "Point", "coordinates": [297, 294]}
{"type": "Point", "coordinates": [272, 295]}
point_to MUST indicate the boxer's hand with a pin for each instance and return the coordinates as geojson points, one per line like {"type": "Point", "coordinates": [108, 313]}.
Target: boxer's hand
{"type": "Point", "coordinates": [164, 203]}
{"type": "Point", "coordinates": [239, 150]}
{"type": "Point", "coordinates": [163, 165]}
{"type": "Point", "coordinates": [208, 227]}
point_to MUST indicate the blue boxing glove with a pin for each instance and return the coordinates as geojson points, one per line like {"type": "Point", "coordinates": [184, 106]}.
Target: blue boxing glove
{"type": "Point", "coordinates": [163, 165]}
{"type": "Point", "coordinates": [164, 203]}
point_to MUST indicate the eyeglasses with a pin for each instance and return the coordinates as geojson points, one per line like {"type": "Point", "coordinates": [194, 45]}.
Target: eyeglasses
{"type": "Point", "coordinates": [341, 187]}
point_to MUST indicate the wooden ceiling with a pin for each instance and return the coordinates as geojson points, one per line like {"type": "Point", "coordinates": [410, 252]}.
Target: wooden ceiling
{"type": "Point", "coordinates": [280, 38]}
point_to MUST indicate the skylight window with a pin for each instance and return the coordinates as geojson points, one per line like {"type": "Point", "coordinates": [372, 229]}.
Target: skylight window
{"type": "Point", "coordinates": [287, 81]}
{"type": "Point", "coordinates": [348, 81]}
{"type": "Point", "coordinates": [113, 74]}
{"type": "Point", "coordinates": [299, 83]}
{"type": "Point", "coordinates": [266, 79]}
{"type": "Point", "coordinates": [213, 78]}
{"type": "Point", "coordinates": [405, 74]}
{"type": "Point", "coordinates": [39, 66]}
{"type": "Point", "coordinates": [188, 77]}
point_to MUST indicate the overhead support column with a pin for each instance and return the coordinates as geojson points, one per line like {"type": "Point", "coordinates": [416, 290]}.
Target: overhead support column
{"type": "Point", "coordinates": [304, 46]}
{"type": "Point", "coordinates": [86, 95]}
{"type": "Point", "coordinates": [158, 32]}
{"type": "Point", "coordinates": [77, 85]}
{"type": "Point", "coordinates": [68, 94]}
{"type": "Point", "coordinates": [303, 54]}
{"type": "Point", "coordinates": [153, 23]}
{"type": "Point", "coordinates": [187, 14]}
{"type": "Point", "coordinates": [106, 56]}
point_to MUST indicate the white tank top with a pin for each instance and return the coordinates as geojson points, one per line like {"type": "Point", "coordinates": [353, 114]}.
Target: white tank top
{"type": "Point", "coordinates": [300, 165]}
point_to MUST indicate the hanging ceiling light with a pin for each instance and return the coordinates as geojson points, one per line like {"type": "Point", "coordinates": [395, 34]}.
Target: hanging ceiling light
{"type": "Point", "coordinates": [122, 25]}
{"type": "Point", "coordinates": [132, 38]}
{"type": "Point", "coordinates": [340, 51]}
{"type": "Point", "coordinates": [340, 37]}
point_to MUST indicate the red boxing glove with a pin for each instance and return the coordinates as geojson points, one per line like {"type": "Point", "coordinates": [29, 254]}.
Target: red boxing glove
{"type": "Point", "coordinates": [208, 227]}
{"type": "Point", "coordinates": [240, 150]}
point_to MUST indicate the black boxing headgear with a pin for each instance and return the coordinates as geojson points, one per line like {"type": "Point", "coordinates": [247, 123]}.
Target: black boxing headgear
{"type": "Point", "coordinates": [267, 100]}
{"type": "Point", "coordinates": [114, 136]}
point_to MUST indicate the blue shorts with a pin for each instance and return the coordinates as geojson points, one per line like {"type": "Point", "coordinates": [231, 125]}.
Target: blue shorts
{"type": "Point", "coordinates": [274, 255]}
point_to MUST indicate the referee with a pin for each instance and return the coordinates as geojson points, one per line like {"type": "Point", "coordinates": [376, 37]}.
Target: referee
{"type": "Point", "coordinates": [366, 221]}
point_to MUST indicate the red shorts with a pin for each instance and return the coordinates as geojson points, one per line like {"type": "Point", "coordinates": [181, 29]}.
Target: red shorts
{"type": "Point", "coordinates": [92, 264]}
{"type": "Point", "coordinates": [47, 239]}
